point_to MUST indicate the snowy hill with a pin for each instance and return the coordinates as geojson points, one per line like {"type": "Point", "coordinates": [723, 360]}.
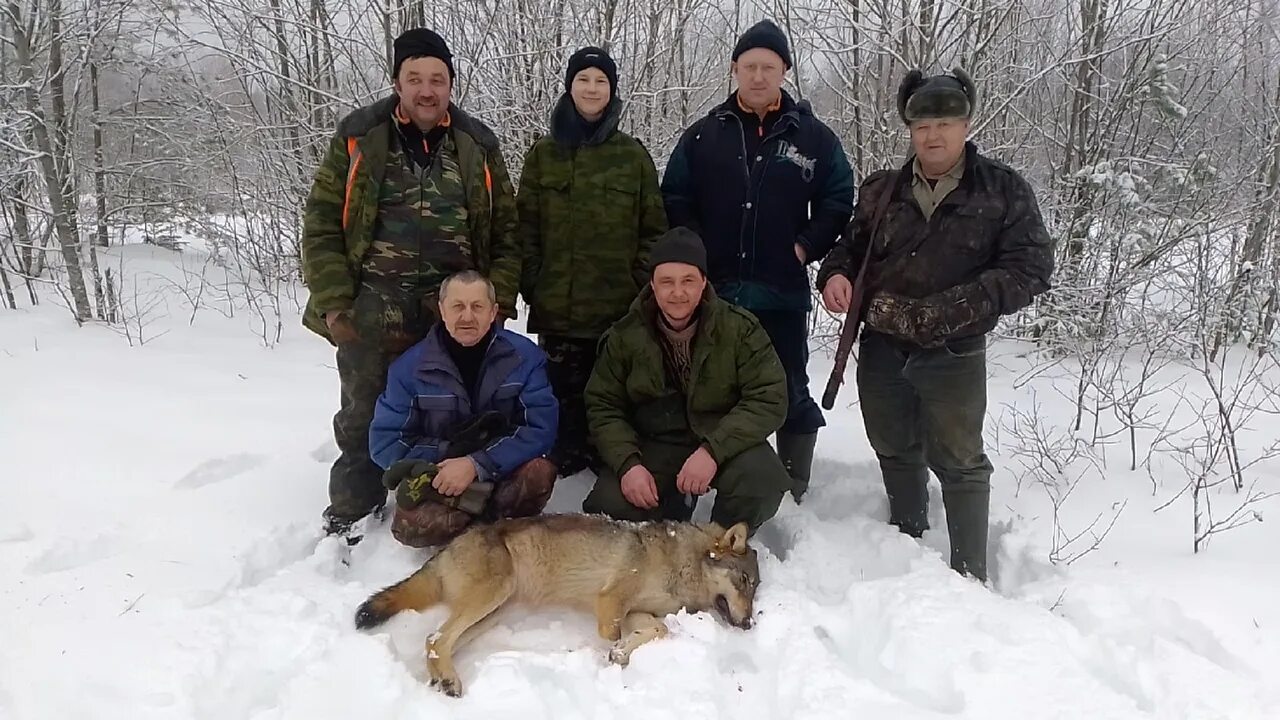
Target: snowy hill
{"type": "Point", "coordinates": [161, 556]}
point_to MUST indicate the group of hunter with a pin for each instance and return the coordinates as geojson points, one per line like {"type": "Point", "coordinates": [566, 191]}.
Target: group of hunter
{"type": "Point", "coordinates": [671, 311]}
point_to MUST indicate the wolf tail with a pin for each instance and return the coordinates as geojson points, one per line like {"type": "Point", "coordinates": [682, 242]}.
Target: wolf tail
{"type": "Point", "coordinates": [419, 591]}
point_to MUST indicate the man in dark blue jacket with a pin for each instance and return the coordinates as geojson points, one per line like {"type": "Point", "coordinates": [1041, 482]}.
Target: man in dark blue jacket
{"type": "Point", "coordinates": [768, 188]}
{"type": "Point", "coordinates": [466, 421]}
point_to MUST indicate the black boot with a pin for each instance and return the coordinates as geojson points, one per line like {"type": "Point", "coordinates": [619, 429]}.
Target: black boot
{"type": "Point", "coordinates": [908, 500]}
{"type": "Point", "coordinates": [796, 453]}
{"type": "Point", "coordinates": [967, 508]}
{"type": "Point", "coordinates": [350, 528]}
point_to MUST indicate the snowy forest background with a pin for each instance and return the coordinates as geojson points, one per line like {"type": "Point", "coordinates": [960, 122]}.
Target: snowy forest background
{"type": "Point", "coordinates": [1150, 130]}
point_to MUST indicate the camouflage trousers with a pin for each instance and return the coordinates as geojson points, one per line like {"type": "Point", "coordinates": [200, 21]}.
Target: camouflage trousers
{"type": "Point", "coordinates": [923, 410]}
{"type": "Point", "coordinates": [388, 323]}
{"type": "Point", "coordinates": [523, 493]}
{"type": "Point", "coordinates": [569, 364]}
{"type": "Point", "coordinates": [749, 487]}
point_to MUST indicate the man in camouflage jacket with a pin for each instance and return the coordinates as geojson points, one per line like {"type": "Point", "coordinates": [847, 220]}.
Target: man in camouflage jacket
{"type": "Point", "coordinates": [590, 210]}
{"type": "Point", "coordinates": [961, 243]}
{"type": "Point", "coordinates": [411, 190]}
{"type": "Point", "coordinates": [683, 399]}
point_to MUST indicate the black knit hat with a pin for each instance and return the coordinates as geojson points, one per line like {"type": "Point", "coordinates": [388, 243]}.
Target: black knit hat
{"type": "Point", "coordinates": [939, 96]}
{"type": "Point", "coordinates": [592, 57]}
{"type": "Point", "coordinates": [679, 245]}
{"type": "Point", "coordinates": [420, 42]}
{"type": "Point", "coordinates": [764, 34]}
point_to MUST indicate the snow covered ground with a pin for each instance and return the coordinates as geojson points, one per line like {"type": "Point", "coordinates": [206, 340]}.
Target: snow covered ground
{"type": "Point", "coordinates": [161, 557]}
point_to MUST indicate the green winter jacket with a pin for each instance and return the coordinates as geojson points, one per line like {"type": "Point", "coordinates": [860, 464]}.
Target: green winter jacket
{"type": "Point", "coordinates": [341, 210]}
{"type": "Point", "coordinates": [738, 397]}
{"type": "Point", "coordinates": [590, 209]}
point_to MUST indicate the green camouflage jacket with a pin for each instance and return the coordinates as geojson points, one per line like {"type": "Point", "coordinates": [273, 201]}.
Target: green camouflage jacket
{"type": "Point", "coordinates": [590, 210]}
{"type": "Point", "coordinates": [738, 397]}
{"type": "Point", "coordinates": [341, 210]}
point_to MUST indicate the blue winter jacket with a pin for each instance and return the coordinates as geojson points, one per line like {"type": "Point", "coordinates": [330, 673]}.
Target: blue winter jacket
{"type": "Point", "coordinates": [799, 189]}
{"type": "Point", "coordinates": [425, 398]}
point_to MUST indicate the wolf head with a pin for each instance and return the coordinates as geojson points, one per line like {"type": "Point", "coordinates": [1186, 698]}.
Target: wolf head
{"type": "Point", "coordinates": [732, 575]}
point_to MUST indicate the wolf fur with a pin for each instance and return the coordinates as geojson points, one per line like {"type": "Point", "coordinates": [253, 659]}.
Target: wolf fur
{"type": "Point", "coordinates": [629, 575]}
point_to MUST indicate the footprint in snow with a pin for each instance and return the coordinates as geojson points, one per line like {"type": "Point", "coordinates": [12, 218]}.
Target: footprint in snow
{"type": "Point", "coordinates": [840, 490]}
{"type": "Point", "coordinates": [219, 469]}
{"type": "Point", "coordinates": [777, 539]}
{"type": "Point", "coordinates": [269, 554]}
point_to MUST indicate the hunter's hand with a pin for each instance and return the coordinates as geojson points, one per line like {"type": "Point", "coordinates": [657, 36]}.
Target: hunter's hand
{"type": "Point", "coordinates": [801, 255]}
{"type": "Point", "coordinates": [838, 294]}
{"type": "Point", "coordinates": [919, 321]}
{"type": "Point", "coordinates": [639, 488]}
{"type": "Point", "coordinates": [696, 475]}
{"type": "Point", "coordinates": [455, 476]}
{"type": "Point", "coordinates": [340, 327]}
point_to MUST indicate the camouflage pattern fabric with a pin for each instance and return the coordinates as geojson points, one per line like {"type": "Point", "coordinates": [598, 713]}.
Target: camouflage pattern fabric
{"type": "Point", "coordinates": [342, 209]}
{"type": "Point", "coordinates": [421, 235]}
{"type": "Point", "coordinates": [420, 239]}
{"type": "Point", "coordinates": [388, 322]}
{"type": "Point", "coordinates": [588, 218]}
{"type": "Point", "coordinates": [569, 364]}
{"type": "Point", "coordinates": [355, 481]}
{"type": "Point", "coordinates": [523, 493]}
{"type": "Point", "coordinates": [922, 322]}
{"type": "Point", "coordinates": [344, 273]}
{"type": "Point", "coordinates": [392, 318]}
{"type": "Point", "coordinates": [414, 491]}
{"type": "Point", "coordinates": [737, 397]}
{"type": "Point", "coordinates": [984, 253]}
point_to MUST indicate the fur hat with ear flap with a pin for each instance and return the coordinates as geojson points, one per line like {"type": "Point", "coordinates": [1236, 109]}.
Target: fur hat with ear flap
{"type": "Point", "coordinates": [938, 96]}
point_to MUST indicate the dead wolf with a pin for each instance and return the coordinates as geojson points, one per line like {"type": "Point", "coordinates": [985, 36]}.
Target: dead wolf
{"type": "Point", "coordinates": [628, 574]}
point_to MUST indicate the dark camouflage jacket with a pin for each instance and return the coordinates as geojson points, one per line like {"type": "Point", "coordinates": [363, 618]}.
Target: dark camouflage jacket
{"type": "Point", "coordinates": [588, 217]}
{"type": "Point", "coordinates": [738, 397]}
{"type": "Point", "coordinates": [341, 210]}
{"type": "Point", "coordinates": [983, 254]}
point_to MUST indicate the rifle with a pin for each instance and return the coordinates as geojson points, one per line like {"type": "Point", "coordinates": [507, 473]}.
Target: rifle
{"type": "Point", "coordinates": [852, 320]}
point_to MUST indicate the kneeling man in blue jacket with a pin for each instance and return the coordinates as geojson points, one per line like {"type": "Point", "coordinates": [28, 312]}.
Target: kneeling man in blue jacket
{"type": "Point", "coordinates": [466, 421]}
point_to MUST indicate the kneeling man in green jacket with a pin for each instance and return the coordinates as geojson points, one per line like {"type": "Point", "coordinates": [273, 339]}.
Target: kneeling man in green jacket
{"type": "Point", "coordinates": [683, 398]}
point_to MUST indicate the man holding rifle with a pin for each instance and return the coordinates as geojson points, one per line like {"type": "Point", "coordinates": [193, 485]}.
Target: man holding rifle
{"type": "Point", "coordinates": [940, 248]}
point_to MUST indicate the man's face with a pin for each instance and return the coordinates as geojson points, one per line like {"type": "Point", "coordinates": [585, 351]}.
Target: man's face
{"type": "Point", "coordinates": [759, 73]}
{"type": "Point", "coordinates": [939, 142]}
{"type": "Point", "coordinates": [467, 312]}
{"type": "Point", "coordinates": [590, 92]}
{"type": "Point", "coordinates": [423, 86]}
{"type": "Point", "coordinates": [678, 289]}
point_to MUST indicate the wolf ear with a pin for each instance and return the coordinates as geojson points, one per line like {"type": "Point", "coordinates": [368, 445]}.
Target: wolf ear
{"type": "Point", "coordinates": [735, 538]}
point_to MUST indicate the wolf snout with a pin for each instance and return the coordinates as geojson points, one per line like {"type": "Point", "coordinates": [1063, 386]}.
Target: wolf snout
{"type": "Point", "coordinates": [722, 607]}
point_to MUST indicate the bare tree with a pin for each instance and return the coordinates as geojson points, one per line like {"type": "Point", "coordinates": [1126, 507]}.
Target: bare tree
{"type": "Point", "coordinates": [51, 132]}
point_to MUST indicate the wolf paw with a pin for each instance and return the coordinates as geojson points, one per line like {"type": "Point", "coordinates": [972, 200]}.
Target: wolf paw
{"type": "Point", "coordinates": [620, 655]}
{"type": "Point", "coordinates": [449, 685]}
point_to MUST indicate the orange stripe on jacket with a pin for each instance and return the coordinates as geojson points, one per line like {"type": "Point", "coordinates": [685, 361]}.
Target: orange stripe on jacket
{"type": "Point", "coordinates": [353, 152]}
